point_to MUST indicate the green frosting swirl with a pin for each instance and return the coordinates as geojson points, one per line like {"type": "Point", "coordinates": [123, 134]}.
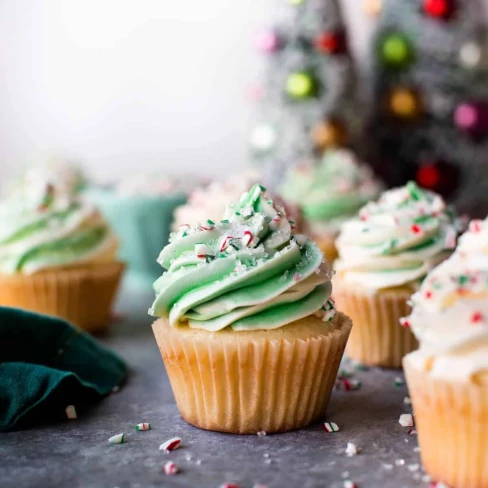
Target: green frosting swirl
{"type": "Point", "coordinates": [247, 272]}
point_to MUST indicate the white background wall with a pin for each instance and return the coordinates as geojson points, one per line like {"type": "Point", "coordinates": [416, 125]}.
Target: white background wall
{"type": "Point", "coordinates": [129, 84]}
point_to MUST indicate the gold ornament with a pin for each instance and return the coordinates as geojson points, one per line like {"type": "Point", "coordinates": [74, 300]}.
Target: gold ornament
{"type": "Point", "coordinates": [329, 134]}
{"type": "Point", "coordinates": [404, 103]}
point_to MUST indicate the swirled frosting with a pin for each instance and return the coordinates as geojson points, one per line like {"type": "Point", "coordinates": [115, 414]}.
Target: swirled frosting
{"type": "Point", "coordinates": [396, 240]}
{"type": "Point", "coordinates": [41, 227]}
{"type": "Point", "coordinates": [249, 271]}
{"type": "Point", "coordinates": [450, 311]}
{"type": "Point", "coordinates": [332, 191]}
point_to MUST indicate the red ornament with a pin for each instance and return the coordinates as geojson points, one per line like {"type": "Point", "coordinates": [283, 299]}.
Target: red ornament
{"type": "Point", "coordinates": [438, 176]}
{"type": "Point", "coordinates": [428, 176]}
{"type": "Point", "coordinates": [439, 9]}
{"type": "Point", "coordinates": [331, 43]}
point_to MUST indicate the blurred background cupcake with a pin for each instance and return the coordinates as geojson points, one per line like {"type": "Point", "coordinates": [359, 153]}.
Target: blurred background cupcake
{"type": "Point", "coordinates": [140, 210]}
{"type": "Point", "coordinates": [329, 193]}
{"type": "Point", "coordinates": [57, 253]}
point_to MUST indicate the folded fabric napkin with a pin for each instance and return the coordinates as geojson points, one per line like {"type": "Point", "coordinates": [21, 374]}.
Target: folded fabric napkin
{"type": "Point", "coordinates": [46, 365]}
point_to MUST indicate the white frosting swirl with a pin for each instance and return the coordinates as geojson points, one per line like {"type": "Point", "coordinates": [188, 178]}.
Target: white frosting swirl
{"type": "Point", "coordinates": [450, 311]}
{"type": "Point", "coordinates": [397, 240]}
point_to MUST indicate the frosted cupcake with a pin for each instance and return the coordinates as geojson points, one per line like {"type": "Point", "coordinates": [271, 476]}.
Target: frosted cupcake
{"type": "Point", "coordinates": [384, 255]}
{"type": "Point", "coordinates": [448, 375]}
{"type": "Point", "coordinates": [330, 193]}
{"type": "Point", "coordinates": [57, 256]}
{"type": "Point", "coordinates": [247, 330]}
{"type": "Point", "coordinates": [140, 210]}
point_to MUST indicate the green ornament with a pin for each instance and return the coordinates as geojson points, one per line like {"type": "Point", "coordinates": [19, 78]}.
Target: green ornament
{"type": "Point", "coordinates": [300, 85]}
{"type": "Point", "coordinates": [396, 51]}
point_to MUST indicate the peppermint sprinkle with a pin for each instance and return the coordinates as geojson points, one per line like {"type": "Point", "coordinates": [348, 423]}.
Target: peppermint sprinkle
{"type": "Point", "coordinates": [229, 485]}
{"type": "Point", "coordinates": [247, 238]}
{"type": "Point", "coordinates": [416, 229]}
{"type": "Point", "coordinates": [407, 401]}
{"type": "Point", "coordinates": [170, 444]}
{"type": "Point", "coordinates": [261, 433]}
{"type": "Point", "coordinates": [224, 243]}
{"type": "Point", "coordinates": [117, 439]}
{"type": "Point", "coordinates": [350, 385]}
{"type": "Point", "coordinates": [143, 426]}
{"type": "Point", "coordinates": [350, 484]}
{"type": "Point", "coordinates": [296, 276]}
{"type": "Point", "coordinates": [405, 323]}
{"type": "Point", "coordinates": [412, 432]}
{"type": "Point", "coordinates": [400, 462]}
{"type": "Point", "coordinates": [406, 420]}
{"type": "Point", "coordinates": [331, 427]}
{"type": "Point", "coordinates": [185, 227]}
{"type": "Point", "coordinates": [428, 294]}
{"type": "Point", "coordinates": [71, 412]}
{"type": "Point", "coordinates": [351, 449]}
{"type": "Point", "coordinates": [475, 226]}
{"type": "Point", "coordinates": [170, 468]}
{"type": "Point", "coordinates": [209, 225]}
{"type": "Point", "coordinates": [201, 250]}
{"type": "Point", "coordinates": [438, 484]}
{"type": "Point", "coordinates": [477, 317]}
{"type": "Point", "coordinates": [399, 381]}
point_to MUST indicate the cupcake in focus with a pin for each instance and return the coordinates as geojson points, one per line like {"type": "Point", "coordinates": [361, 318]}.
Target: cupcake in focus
{"type": "Point", "coordinates": [385, 253]}
{"type": "Point", "coordinates": [448, 375]}
{"type": "Point", "coordinates": [57, 255]}
{"type": "Point", "coordinates": [140, 210]}
{"type": "Point", "coordinates": [247, 330]}
{"type": "Point", "coordinates": [330, 193]}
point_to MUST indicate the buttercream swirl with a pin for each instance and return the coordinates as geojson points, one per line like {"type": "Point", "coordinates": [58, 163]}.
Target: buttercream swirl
{"type": "Point", "coordinates": [331, 192]}
{"type": "Point", "coordinates": [397, 240]}
{"type": "Point", "coordinates": [450, 311]}
{"type": "Point", "coordinates": [249, 271]}
{"type": "Point", "coordinates": [43, 227]}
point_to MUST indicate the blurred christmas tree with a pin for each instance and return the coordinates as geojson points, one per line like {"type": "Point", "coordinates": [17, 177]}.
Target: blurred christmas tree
{"type": "Point", "coordinates": [430, 116]}
{"type": "Point", "coordinates": [307, 101]}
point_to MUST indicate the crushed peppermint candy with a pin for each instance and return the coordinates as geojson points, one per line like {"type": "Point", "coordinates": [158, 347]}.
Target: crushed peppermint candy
{"type": "Point", "coordinates": [349, 384]}
{"type": "Point", "coordinates": [412, 432]}
{"type": "Point", "coordinates": [351, 449]}
{"type": "Point", "coordinates": [399, 381]}
{"type": "Point", "coordinates": [331, 427]}
{"type": "Point", "coordinates": [350, 484]}
{"type": "Point", "coordinates": [170, 444]}
{"type": "Point", "coordinates": [229, 485]}
{"type": "Point", "coordinates": [170, 468]}
{"type": "Point", "coordinates": [404, 322]}
{"type": "Point", "coordinates": [201, 250]}
{"type": "Point", "coordinates": [413, 467]}
{"type": "Point", "coordinates": [261, 433]}
{"type": "Point", "coordinates": [247, 238]}
{"type": "Point", "coordinates": [208, 225]}
{"type": "Point", "coordinates": [71, 412]}
{"type": "Point", "coordinates": [438, 484]}
{"type": "Point", "coordinates": [406, 420]}
{"type": "Point", "coordinates": [224, 243]}
{"type": "Point", "coordinates": [117, 439]}
{"type": "Point", "coordinates": [400, 462]}
{"type": "Point", "coordinates": [407, 401]}
{"type": "Point", "coordinates": [143, 426]}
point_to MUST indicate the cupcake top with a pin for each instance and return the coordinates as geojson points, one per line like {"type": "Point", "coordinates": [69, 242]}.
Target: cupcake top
{"type": "Point", "coordinates": [43, 227]}
{"type": "Point", "coordinates": [249, 271]}
{"type": "Point", "coordinates": [396, 240]}
{"type": "Point", "coordinates": [211, 201]}
{"type": "Point", "coordinates": [450, 311]}
{"type": "Point", "coordinates": [332, 191]}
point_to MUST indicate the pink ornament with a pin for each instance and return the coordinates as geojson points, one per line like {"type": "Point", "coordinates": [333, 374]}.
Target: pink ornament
{"type": "Point", "coordinates": [472, 118]}
{"type": "Point", "coordinates": [267, 41]}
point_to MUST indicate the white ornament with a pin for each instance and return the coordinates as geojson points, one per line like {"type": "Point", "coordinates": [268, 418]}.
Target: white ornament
{"type": "Point", "coordinates": [263, 137]}
{"type": "Point", "coordinates": [470, 55]}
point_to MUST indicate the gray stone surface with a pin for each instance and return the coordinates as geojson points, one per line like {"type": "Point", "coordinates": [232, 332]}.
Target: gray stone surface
{"type": "Point", "coordinates": [76, 453]}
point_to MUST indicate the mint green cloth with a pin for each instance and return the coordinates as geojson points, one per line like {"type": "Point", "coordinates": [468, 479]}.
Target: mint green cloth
{"type": "Point", "coordinates": [45, 365]}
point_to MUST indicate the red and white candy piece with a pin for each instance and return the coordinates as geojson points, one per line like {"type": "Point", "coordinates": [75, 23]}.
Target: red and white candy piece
{"type": "Point", "coordinates": [350, 385]}
{"type": "Point", "coordinates": [404, 322]}
{"type": "Point", "coordinates": [201, 250]}
{"type": "Point", "coordinates": [247, 238]}
{"type": "Point", "coordinates": [450, 239]}
{"type": "Point", "coordinates": [412, 432]}
{"type": "Point", "coordinates": [475, 226]}
{"type": "Point", "coordinates": [437, 484]}
{"type": "Point", "coordinates": [477, 318]}
{"type": "Point", "coordinates": [406, 420]}
{"type": "Point", "coordinates": [229, 485]}
{"type": "Point", "coordinates": [208, 225]}
{"type": "Point", "coordinates": [143, 426]}
{"type": "Point", "coordinates": [170, 468]}
{"type": "Point", "coordinates": [185, 227]}
{"type": "Point", "coordinates": [170, 444]}
{"type": "Point", "coordinates": [331, 427]}
{"type": "Point", "coordinates": [350, 484]}
{"type": "Point", "coordinates": [71, 412]}
{"type": "Point", "coordinates": [224, 243]}
{"type": "Point", "coordinates": [416, 229]}
{"type": "Point", "coordinates": [117, 439]}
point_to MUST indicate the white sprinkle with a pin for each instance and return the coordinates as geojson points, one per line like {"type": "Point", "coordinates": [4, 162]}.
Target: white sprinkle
{"type": "Point", "coordinates": [407, 401]}
{"type": "Point", "coordinates": [345, 474]}
{"type": "Point", "coordinates": [266, 455]}
{"type": "Point", "coordinates": [406, 420]}
{"type": "Point", "coordinates": [261, 433]}
{"type": "Point", "coordinates": [413, 467]}
{"type": "Point", "coordinates": [259, 485]}
{"type": "Point", "coordinates": [406, 440]}
{"type": "Point", "coordinates": [268, 461]}
{"type": "Point", "coordinates": [117, 439]}
{"type": "Point", "coordinates": [198, 462]}
{"type": "Point", "coordinates": [416, 449]}
{"type": "Point", "coordinates": [351, 449]}
{"type": "Point", "coordinates": [170, 444]}
{"type": "Point", "coordinates": [188, 457]}
{"type": "Point", "coordinates": [387, 466]}
{"type": "Point", "coordinates": [71, 412]}
{"type": "Point", "coordinates": [400, 462]}
{"type": "Point", "coordinates": [170, 468]}
{"type": "Point", "coordinates": [426, 478]}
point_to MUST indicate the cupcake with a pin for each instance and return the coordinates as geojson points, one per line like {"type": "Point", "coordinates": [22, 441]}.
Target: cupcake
{"type": "Point", "coordinates": [330, 193]}
{"type": "Point", "coordinates": [384, 255]}
{"type": "Point", "coordinates": [57, 256]}
{"type": "Point", "coordinates": [248, 333]}
{"type": "Point", "coordinates": [140, 210]}
{"type": "Point", "coordinates": [448, 375]}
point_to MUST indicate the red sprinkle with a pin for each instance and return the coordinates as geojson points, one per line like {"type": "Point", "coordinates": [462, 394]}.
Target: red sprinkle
{"type": "Point", "coordinates": [475, 226]}
{"type": "Point", "coordinates": [428, 294]}
{"type": "Point", "coordinates": [477, 317]}
{"type": "Point", "coordinates": [363, 217]}
{"type": "Point", "coordinates": [229, 485]}
{"type": "Point", "coordinates": [170, 468]}
{"type": "Point", "coordinates": [416, 229]}
{"type": "Point", "coordinates": [404, 323]}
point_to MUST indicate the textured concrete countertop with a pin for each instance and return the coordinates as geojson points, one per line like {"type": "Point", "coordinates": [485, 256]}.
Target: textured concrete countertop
{"type": "Point", "coordinates": [76, 453]}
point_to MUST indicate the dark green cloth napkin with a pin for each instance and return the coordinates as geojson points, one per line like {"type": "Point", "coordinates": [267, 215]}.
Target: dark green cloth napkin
{"type": "Point", "coordinates": [45, 365]}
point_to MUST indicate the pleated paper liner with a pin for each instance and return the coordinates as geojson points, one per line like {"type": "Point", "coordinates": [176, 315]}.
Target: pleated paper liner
{"type": "Point", "coordinates": [452, 424]}
{"type": "Point", "coordinates": [82, 294]}
{"type": "Point", "coordinates": [246, 382]}
{"type": "Point", "coordinates": [377, 338]}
